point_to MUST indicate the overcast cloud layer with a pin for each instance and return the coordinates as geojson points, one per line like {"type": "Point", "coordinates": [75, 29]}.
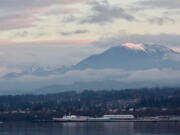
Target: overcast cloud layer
{"type": "Point", "coordinates": [169, 4]}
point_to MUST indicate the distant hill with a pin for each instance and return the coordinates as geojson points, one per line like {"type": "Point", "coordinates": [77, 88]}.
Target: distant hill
{"type": "Point", "coordinates": [100, 85]}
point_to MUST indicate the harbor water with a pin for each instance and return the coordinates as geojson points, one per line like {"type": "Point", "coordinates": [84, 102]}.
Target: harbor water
{"type": "Point", "coordinates": [104, 128]}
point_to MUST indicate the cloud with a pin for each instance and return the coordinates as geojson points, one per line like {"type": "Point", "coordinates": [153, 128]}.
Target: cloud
{"type": "Point", "coordinates": [161, 20]}
{"type": "Point", "coordinates": [80, 41]}
{"type": "Point", "coordinates": [5, 70]}
{"type": "Point", "coordinates": [157, 76]}
{"type": "Point", "coordinates": [154, 75]}
{"type": "Point", "coordinates": [6, 42]}
{"type": "Point", "coordinates": [47, 42]}
{"type": "Point", "coordinates": [21, 34]}
{"type": "Point", "coordinates": [68, 19]}
{"type": "Point", "coordinates": [18, 14]}
{"type": "Point", "coordinates": [74, 32]}
{"type": "Point", "coordinates": [23, 4]}
{"type": "Point", "coordinates": [62, 10]}
{"type": "Point", "coordinates": [104, 12]}
{"type": "Point", "coordinates": [45, 53]}
{"type": "Point", "coordinates": [169, 40]}
{"type": "Point", "coordinates": [78, 76]}
{"type": "Point", "coordinates": [17, 22]}
{"type": "Point", "coordinates": [169, 4]}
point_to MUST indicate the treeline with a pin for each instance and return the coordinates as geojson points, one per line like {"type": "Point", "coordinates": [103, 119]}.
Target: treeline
{"type": "Point", "coordinates": [154, 97]}
{"type": "Point", "coordinates": [95, 103]}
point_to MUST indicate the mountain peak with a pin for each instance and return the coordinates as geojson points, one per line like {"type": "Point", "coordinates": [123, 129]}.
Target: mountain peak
{"type": "Point", "coordinates": [151, 48]}
{"type": "Point", "coordinates": [134, 46]}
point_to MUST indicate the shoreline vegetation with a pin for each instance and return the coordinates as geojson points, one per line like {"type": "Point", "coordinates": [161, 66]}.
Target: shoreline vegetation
{"type": "Point", "coordinates": [147, 102]}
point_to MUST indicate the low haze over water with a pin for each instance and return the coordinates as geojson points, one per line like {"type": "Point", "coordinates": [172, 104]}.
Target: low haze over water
{"type": "Point", "coordinates": [123, 128]}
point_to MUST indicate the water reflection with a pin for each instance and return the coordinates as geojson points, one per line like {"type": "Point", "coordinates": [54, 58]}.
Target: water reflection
{"type": "Point", "coordinates": [164, 128]}
{"type": "Point", "coordinates": [124, 128]}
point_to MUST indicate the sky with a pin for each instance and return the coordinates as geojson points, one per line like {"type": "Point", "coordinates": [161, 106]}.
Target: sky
{"type": "Point", "coordinates": [56, 33]}
{"type": "Point", "coordinates": [56, 28]}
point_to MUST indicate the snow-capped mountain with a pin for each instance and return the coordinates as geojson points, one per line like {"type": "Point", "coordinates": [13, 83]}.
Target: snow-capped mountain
{"type": "Point", "coordinates": [133, 57]}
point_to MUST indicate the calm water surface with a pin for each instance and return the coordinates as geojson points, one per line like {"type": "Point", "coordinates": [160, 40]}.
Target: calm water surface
{"type": "Point", "coordinates": [126, 128]}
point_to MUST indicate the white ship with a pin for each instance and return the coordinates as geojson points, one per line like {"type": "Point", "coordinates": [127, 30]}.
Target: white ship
{"type": "Point", "coordinates": [105, 118]}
